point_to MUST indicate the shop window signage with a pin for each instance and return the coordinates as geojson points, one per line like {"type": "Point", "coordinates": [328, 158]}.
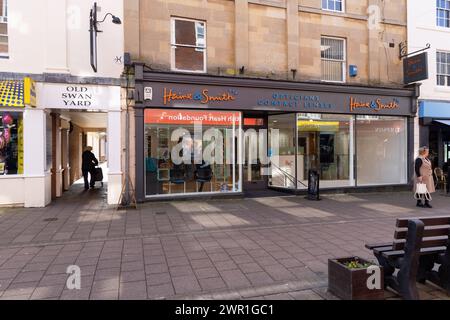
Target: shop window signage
{"type": "Point", "coordinates": [295, 100]}
{"type": "Point", "coordinates": [77, 97]}
{"type": "Point", "coordinates": [374, 105]}
{"type": "Point", "coordinates": [203, 96]}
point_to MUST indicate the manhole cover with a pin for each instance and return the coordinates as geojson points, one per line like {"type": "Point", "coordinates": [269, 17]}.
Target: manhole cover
{"type": "Point", "coordinates": [50, 219]}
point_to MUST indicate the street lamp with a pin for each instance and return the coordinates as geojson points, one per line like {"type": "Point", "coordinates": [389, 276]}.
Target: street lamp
{"type": "Point", "coordinates": [93, 30]}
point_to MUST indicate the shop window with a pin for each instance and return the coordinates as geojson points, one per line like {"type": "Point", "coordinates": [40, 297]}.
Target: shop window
{"type": "Point", "coordinates": [191, 151]}
{"type": "Point", "coordinates": [282, 156]}
{"type": "Point", "coordinates": [188, 45]}
{"type": "Point", "coordinates": [325, 144]}
{"type": "Point", "coordinates": [443, 68]}
{"type": "Point", "coordinates": [443, 13]}
{"type": "Point", "coordinates": [333, 59]}
{"type": "Point", "coordinates": [333, 5]}
{"type": "Point", "coordinates": [11, 143]}
{"type": "Point", "coordinates": [3, 28]}
{"type": "Point", "coordinates": [381, 145]}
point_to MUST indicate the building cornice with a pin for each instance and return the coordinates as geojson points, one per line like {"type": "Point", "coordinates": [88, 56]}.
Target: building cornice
{"type": "Point", "coordinates": [61, 78]}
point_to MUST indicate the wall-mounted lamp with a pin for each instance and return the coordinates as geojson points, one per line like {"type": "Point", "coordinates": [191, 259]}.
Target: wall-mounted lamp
{"type": "Point", "coordinates": [93, 30]}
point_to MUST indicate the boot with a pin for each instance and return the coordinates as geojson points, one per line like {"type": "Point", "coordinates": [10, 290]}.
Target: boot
{"type": "Point", "coordinates": [427, 204]}
{"type": "Point", "coordinates": [419, 203]}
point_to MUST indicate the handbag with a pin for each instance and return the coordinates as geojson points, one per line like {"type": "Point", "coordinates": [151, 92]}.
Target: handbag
{"type": "Point", "coordinates": [422, 192]}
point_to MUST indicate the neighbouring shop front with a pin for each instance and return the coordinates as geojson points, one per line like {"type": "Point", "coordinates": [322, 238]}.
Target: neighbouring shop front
{"type": "Point", "coordinates": [434, 120]}
{"type": "Point", "coordinates": [267, 134]}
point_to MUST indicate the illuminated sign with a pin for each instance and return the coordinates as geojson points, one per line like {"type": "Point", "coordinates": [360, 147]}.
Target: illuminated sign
{"type": "Point", "coordinates": [202, 96]}
{"type": "Point", "coordinates": [317, 126]}
{"type": "Point", "coordinates": [179, 117]}
{"type": "Point", "coordinates": [375, 105]}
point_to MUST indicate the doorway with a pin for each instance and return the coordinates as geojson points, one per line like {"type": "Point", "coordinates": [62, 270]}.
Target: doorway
{"type": "Point", "coordinates": [255, 148]}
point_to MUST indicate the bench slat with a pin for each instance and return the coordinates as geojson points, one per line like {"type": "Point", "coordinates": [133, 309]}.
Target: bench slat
{"type": "Point", "coordinates": [372, 246]}
{"type": "Point", "coordinates": [435, 232]}
{"type": "Point", "coordinates": [426, 243]}
{"type": "Point", "coordinates": [427, 221]}
{"type": "Point", "coordinates": [423, 251]}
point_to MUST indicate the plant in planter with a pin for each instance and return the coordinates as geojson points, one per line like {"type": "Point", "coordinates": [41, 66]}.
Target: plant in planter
{"type": "Point", "coordinates": [348, 279]}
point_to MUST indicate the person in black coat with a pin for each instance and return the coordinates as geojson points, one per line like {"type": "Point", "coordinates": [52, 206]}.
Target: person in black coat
{"type": "Point", "coordinates": [88, 164]}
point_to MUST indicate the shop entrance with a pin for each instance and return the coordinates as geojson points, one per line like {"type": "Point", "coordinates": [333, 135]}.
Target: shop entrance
{"type": "Point", "coordinates": [254, 171]}
{"type": "Point", "coordinates": [72, 132]}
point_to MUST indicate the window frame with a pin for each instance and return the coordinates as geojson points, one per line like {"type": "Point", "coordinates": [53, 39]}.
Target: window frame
{"type": "Point", "coordinates": [22, 112]}
{"type": "Point", "coordinates": [438, 9]}
{"type": "Point", "coordinates": [344, 61]}
{"type": "Point", "coordinates": [446, 75]}
{"type": "Point", "coordinates": [331, 10]}
{"type": "Point", "coordinates": [4, 19]}
{"type": "Point", "coordinates": [173, 46]}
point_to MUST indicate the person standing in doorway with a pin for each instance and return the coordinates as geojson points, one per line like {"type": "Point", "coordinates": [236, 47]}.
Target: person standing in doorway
{"type": "Point", "coordinates": [88, 164]}
{"type": "Point", "coordinates": [424, 174]}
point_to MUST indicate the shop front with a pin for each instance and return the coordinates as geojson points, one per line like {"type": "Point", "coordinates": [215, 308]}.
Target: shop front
{"type": "Point", "coordinates": [434, 120]}
{"type": "Point", "coordinates": [198, 135]}
{"type": "Point", "coordinates": [17, 124]}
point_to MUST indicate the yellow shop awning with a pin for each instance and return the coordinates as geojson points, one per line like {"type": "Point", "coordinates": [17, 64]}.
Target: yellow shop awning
{"type": "Point", "coordinates": [18, 93]}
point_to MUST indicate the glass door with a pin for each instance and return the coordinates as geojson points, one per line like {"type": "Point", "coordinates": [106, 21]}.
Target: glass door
{"type": "Point", "coordinates": [255, 151]}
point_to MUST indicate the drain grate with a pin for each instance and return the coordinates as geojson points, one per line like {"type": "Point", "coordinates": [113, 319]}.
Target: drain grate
{"type": "Point", "coordinates": [50, 219]}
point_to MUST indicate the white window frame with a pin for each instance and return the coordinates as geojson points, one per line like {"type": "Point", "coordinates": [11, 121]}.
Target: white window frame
{"type": "Point", "coordinates": [173, 46]}
{"type": "Point", "coordinates": [447, 76]}
{"type": "Point", "coordinates": [331, 10]}
{"type": "Point", "coordinates": [437, 18]}
{"type": "Point", "coordinates": [4, 19]}
{"type": "Point", "coordinates": [344, 62]}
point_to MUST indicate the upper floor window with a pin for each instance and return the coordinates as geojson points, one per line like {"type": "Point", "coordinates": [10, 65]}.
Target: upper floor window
{"type": "Point", "coordinates": [3, 28]}
{"type": "Point", "coordinates": [333, 59]}
{"type": "Point", "coordinates": [333, 5]}
{"type": "Point", "coordinates": [443, 13]}
{"type": "Point", "coordinates": [443, 68]}
{"type": "Point", "coordinates": [188, 45]}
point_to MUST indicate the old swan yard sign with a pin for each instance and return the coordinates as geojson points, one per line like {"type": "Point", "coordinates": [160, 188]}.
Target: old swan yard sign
{"type": "Point", "coordinates": [78, 96]}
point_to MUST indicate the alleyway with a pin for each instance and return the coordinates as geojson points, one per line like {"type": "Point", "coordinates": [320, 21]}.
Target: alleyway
{"type": "Point", "coordinates": [222, 249]}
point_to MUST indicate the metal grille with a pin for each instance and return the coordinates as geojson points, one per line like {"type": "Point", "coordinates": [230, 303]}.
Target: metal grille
{"type": "Point", "coordinates": [443, 68]}
{"type": "Point", "coordinates": [333, 59]}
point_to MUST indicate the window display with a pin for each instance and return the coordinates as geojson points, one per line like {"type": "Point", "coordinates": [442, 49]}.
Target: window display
{"type": "Point", "coordinates": [11, 143]}
{"type": "Point", "coordinates": [325, 144]}
{"type": "Point", "coordinates": [191, 151]}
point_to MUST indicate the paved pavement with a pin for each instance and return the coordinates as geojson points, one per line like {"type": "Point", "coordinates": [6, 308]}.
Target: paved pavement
{"type": "Point", "coordinates": [274, 248]}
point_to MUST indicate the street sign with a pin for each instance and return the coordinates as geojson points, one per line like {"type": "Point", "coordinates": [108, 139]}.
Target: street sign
{"type": "Point", "coordinates": [415, 68]}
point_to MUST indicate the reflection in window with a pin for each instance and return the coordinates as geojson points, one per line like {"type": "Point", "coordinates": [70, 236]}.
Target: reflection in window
{"type": "Point", "coordinates": [443, 68]}
{"type": "Point", "coordinates": [177, 151]}
{"type": "Point", "coordinates": [443, 13]}
{"type": "Point", "coordinates": [282, 156]}
{"type": "Point", "coordinates": [381, 144]}
{"type": "Point", "coordinates": [188, 45]}
{"type": "Point", "coordinates": [11, 143]}
{"type": "Point", "coordinates": [325, 144]}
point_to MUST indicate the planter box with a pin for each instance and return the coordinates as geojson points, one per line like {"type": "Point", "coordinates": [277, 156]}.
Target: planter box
{"type": "Point", "coordinates": [351, 284]}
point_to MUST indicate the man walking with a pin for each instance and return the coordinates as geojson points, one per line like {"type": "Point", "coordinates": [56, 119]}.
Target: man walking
{"type": "Point", "coordinates": [89, 161]}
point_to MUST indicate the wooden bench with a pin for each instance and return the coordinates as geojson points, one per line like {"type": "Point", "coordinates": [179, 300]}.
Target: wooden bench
{"type": "Point", "coordinates": [419, 244]}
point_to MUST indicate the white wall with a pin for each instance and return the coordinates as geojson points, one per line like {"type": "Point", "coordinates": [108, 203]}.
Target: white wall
{"type": "Point", "coordinates": [52, 36]}
{"type": "Point", "coordinates": [422, 29]}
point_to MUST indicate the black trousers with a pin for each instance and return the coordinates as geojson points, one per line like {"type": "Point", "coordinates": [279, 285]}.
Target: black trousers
{"type": "Point", "coordinates": [85, 176]}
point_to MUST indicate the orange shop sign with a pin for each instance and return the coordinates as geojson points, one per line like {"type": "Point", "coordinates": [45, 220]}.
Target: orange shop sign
{"type": "Point", "coordinates": [375, 105]}
{"type": "Point", "coordinates": [202, 96]}
{"type": "Point", "coordinates": [190, 117]}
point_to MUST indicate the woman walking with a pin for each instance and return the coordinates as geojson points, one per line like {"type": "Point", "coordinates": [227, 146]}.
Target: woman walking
{"type": "Point", "coordinates": [424, 174]}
